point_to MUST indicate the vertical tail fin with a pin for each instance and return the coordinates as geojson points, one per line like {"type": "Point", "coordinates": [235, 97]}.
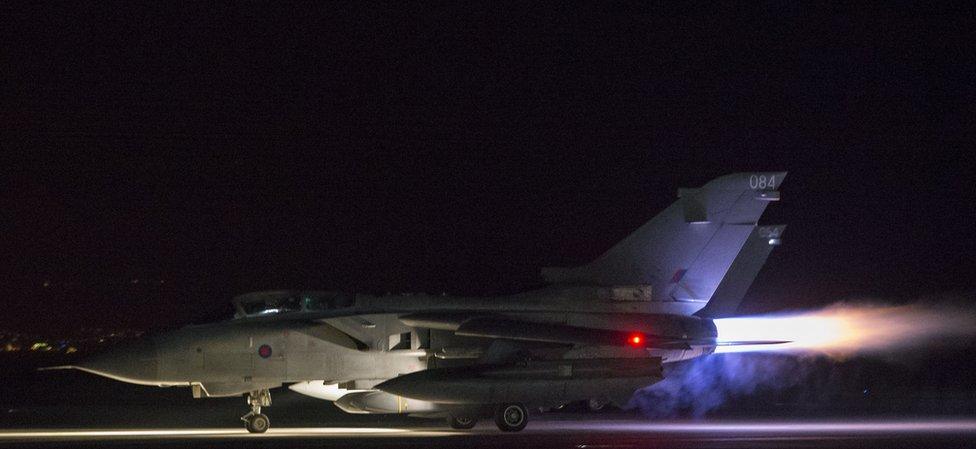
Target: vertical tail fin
{"type": "Point", "coordinates": [744, 269]}
{"type": "Point", "coordinates": [686, 251]}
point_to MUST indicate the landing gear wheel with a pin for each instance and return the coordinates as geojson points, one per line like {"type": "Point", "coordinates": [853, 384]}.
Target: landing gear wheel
{"type": "Point", "coordinates": [461, 421]}
{"type": "Point", "coordinates": [596, 405]}
{"type": "Point", "coordinates": [257, 423]}
{"type": "Point", "coordinates": [254, 421]}
{"type": "Point", "coordinates": [511, 417]}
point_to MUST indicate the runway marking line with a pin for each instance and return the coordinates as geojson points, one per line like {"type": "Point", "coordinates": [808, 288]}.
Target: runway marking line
{"type": "Point", "coordinates": [709, 429]}
{"type": "Point", "coordinates": [210, 433]}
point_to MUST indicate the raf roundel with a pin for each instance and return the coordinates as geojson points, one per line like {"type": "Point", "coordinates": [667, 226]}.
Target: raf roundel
{"type": "Point", "coordinates": [264, 351]}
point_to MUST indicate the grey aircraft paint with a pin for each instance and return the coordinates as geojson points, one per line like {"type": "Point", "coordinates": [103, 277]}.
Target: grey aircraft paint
{"type": "Point", "coordinates": [599, 332]}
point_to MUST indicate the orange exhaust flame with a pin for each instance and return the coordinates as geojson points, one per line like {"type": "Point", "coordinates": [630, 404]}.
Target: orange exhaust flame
{"type": "Point", "coordinates": [845, 329]}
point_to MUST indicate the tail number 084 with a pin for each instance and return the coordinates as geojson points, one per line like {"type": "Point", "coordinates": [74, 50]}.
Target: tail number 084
{"type": "Point", "coordinates": [762, 182]}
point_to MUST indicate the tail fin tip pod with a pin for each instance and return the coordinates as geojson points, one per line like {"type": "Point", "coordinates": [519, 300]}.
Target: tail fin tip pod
{"type": "Point", "coordinates": [686, 251]}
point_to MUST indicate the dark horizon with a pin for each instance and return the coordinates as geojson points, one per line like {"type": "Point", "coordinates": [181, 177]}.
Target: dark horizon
{"type": "Point", "coordinates": [160, 166]}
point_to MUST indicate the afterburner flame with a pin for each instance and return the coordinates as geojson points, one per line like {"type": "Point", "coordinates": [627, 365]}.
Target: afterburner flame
{"type": "Point", "coordinates": [848, 328]}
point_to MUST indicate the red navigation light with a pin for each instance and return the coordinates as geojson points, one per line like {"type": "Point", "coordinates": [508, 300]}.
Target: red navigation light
{"type": "Point", "coordinates": [635, 339]}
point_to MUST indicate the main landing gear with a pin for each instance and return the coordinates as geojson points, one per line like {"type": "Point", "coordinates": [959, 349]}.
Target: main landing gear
{"type": "Point", "coordinates": [596, 405]}
{"type": "Point", "coordinates": [461, 421]}
{"type": "Point", "coordinates": [511, 417]}
{"type": "Point", "coordinates": [255, 421]}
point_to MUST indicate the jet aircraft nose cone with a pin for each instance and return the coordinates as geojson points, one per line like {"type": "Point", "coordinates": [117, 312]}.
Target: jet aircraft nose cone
{"type": "Point", "coordinates": [135, 362]}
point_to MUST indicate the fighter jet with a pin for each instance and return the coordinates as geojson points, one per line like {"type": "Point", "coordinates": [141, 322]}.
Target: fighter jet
{"type": "Point", "coordinates": [596, 333]}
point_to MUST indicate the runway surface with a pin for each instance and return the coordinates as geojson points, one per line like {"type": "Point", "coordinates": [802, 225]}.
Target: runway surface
{"type": "Point", "coordinates": [569, 433]}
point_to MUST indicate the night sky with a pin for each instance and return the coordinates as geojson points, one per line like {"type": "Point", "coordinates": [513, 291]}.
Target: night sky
{"type": "Point", "coordinates": [160, 160]}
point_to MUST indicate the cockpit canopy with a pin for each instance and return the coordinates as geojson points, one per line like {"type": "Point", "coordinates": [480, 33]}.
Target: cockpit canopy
{"type": "Point", "coordinates": [284, 301]}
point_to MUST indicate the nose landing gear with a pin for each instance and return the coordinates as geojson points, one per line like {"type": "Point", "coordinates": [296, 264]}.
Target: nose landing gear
{"type": "Point", "coordinates": [255, 421]}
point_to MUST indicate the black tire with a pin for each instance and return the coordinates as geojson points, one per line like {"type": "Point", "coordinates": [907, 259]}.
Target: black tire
{"type": "Point", "coordinates": [511, 417]}
{"type": "Point", "coordinates": [258, 423]}
{"type": "Point", "coordinates": [596, 405]}
{"type": "Point", "coordinates": [461, 421]}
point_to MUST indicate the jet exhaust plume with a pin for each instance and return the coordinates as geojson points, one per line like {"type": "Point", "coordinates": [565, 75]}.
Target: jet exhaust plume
{"type": "Point", "coordinates": [839, 331]}
{"type": "Point", "coordinates": [846, 329]}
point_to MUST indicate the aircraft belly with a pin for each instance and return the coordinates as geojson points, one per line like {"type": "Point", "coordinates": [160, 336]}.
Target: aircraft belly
{"type": "Point", "coordinates": [537, 383]}
{"type": "Point", "coordinates": [530, 391]}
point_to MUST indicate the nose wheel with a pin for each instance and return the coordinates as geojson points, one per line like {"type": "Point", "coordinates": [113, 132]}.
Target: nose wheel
{"type": "Point", "coordinates": [258, 423]}
{"type": "Point", "coordinates": [255, 421]}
